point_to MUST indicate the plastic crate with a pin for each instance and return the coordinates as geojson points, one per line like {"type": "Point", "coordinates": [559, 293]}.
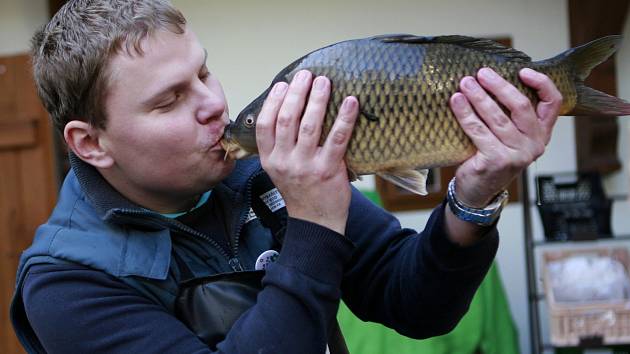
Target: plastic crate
{"type": "Point", "coordinates": [573, 206]}
{"type": "Point", "coordinates": [606, 323]}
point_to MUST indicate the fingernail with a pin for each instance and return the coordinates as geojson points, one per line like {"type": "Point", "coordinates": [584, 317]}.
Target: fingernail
{"type": "Point", "coordinates": [528, 72]}
{"type": "Point", "coordinates": [279, 89]}
{"type": "Point", "coordinates": [348, 104]}
{"type": "Point", "coordinates": [302, 76]}
{"type": "Point", "coordinates": [488, 74]}
{"type": "Point", "coordinates": [470, 83]}
{"type": "Point", "coordinates": [459, 102]}
{"type": "Point", "coordinates": [320, 83]}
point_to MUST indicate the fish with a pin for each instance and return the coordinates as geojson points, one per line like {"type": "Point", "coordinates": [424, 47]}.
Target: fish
{"type": "Point", "coordinates": [403, 84]}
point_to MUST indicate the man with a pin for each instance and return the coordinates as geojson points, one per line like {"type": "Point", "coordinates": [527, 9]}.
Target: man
{"type": "Point", "coordinates": [150, 203]}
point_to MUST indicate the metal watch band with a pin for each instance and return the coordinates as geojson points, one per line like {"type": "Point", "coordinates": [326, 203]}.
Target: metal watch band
{"type": "Point", "coordinates": [482, 217]}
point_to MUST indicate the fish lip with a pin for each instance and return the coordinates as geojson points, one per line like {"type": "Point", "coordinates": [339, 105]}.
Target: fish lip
{"type": "Point", "coordinates": [227, 132]}
{"type": "Point", "coordinates": [226, 139]}
{"type": "Point", "coordinates": [214, 144]}
{"type": "Point", "coordinates": [233, 150]}
{"type": "Point", "coordinates": [225, 144]}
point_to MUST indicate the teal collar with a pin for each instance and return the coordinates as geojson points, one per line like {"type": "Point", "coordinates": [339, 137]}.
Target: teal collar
{"type": "Point", "coordinates": [202, 201]}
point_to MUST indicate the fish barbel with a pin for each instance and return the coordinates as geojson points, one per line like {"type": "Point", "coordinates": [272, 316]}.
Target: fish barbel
{"type": "Point", "coordinates": [404, 83]}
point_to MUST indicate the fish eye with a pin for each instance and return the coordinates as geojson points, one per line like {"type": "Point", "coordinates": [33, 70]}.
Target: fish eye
{"type": "Point", "coordinates": [249, 121]}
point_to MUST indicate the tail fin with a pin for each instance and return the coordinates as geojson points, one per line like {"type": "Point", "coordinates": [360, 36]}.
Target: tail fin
{"type": "Point", "coordinates": [591, 102]}
{"type": "Point", "coordinates": [587, 56]}
{"type": "Point", "coordinates": [583, 59]}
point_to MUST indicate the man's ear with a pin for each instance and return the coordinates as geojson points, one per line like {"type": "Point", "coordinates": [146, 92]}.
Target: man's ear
{"type": "Point", "coordinates": [83, 140]}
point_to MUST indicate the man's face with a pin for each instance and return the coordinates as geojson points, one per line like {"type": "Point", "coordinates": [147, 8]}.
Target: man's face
{"type": "Point", "coordinates": [165, 116]}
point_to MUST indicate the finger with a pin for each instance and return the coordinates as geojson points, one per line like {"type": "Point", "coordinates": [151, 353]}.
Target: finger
{"type": "Point", "coordinates": [491, 113]}
{"type": "Point", "coordinates": [550, 98]}
{"type": "Point", "coordinates": [311, 124]}
{"type": "Point", "coordinates": [266, 120]}
{"type": "Point", "coordinates": [521, 109]}
{"type": "Point", "coordinates": [289, 116]}
{"type": "Point", "coordinates": [337, 140]}
{"type": "Point", "coordinates": [472, 125]}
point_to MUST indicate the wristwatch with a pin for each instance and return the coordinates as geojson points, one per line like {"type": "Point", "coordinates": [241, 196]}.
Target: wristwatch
{"type": "Point", "coordinates": [482, 217]}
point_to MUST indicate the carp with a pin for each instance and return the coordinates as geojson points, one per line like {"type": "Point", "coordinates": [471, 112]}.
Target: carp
{"type": "Point", "coordinates": [404, 83]}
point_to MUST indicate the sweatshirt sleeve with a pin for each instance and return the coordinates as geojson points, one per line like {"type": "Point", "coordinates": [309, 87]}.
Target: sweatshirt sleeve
{"type": "Point", "coordinates": [419, 284]}
{"type": "Point", "coordinates": [298, 304]}
{"type": "Point", "coordinates": [74, 309]}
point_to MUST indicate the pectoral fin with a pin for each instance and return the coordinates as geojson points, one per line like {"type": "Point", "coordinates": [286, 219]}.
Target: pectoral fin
{"type": "Point", "coordinates": [414, 181]}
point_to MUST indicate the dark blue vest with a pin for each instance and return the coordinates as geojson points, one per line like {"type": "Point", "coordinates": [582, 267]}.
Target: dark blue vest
{"type": "Point", "coordinates": [94, 226]}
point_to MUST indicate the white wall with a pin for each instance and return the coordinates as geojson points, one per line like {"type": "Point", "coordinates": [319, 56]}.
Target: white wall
{"type": "Point", "coordinates": [18, 21]}
{"type": "Point", "coordinates": [250, 41]}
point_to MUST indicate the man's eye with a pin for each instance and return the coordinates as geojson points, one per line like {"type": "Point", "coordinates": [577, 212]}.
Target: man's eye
{"type": "Point", "coordinates": [169, 104]}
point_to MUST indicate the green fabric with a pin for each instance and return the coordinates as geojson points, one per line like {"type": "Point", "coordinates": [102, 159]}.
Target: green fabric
{"type": "Point", "coordinates": [487, 328]}
{"type": "Point", "coordinates": [373, 196]}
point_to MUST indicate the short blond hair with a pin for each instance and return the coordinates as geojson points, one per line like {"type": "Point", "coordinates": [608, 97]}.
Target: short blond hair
{"type": "Point", "coordinates": [71, 53]}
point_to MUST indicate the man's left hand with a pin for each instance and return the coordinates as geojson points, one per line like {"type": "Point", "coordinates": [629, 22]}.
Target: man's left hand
{"type": "Point", "coordinates": [505, 144]}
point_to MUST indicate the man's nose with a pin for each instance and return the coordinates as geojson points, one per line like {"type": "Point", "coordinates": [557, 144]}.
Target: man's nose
{"type": "Point", "coordinates": [211, 107]}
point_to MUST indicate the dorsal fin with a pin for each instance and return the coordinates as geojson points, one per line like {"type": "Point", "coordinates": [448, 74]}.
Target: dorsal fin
{"type": "Point", "coordinates": [481, 44]}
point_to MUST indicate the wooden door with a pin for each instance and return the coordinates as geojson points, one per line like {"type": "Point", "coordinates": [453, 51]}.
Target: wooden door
{"type": "Point", "coordinates": [27, 181]}
{"type": "Point", "coordinates": [596, 136]}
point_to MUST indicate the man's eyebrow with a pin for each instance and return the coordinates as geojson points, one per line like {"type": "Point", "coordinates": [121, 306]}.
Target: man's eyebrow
{"type": "Point", "coordinates": [149, 101]}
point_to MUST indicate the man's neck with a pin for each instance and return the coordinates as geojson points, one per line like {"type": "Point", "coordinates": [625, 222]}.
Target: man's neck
{"type": "Point", "coordinates": [163, 203]}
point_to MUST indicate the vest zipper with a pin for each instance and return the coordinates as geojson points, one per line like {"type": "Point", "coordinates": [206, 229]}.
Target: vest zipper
{"type": "Point", "coordinates": [237, 235]}
{"type": "Point", "coordinates": [235, 264]}
{"type": "Point", "coordinates": [231, 255]}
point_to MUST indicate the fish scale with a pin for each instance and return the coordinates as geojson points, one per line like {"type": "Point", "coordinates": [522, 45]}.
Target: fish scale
{"type": "Point", "coordinates": [404, 84]}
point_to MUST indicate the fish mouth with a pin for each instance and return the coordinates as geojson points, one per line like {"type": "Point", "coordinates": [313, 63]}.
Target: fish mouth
{"type": "Point", "coordinates": [233, 150]}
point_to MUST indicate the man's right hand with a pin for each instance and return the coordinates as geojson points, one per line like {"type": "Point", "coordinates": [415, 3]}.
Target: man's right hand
{"type": "Point", "coordinates": [312, 179]}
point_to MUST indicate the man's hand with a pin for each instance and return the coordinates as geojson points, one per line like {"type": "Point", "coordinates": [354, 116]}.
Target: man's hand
{"type": "Point", "coordinates": [312, 179]}
{"type": "Point", "coordinates": [505, 144]}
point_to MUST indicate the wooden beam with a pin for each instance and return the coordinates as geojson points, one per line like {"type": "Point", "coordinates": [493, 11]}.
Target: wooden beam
{"type": "Point", "coordinates": [596, 136]}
